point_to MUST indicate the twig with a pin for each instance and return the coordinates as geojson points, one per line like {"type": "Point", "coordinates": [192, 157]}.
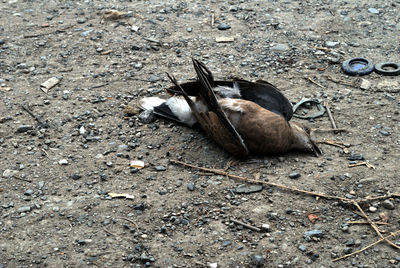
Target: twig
{"type": "Point", "coordinates": [221, 172]}
{"type": "Point", "coordinates": [56, 31]}
{"type": "Point", "coordinates": [328, 110]}
{"type": "Point", "coordinates": [37, 118]}
{"type": "Point", "coordinates": [246, 225]}
{"type": "Point", "coordinates": [131, 221]}
{"type": "Point", "coordinates": [151, 40]}
{"type": "Point", "coordinates": [321, 48]}
{"type": "Point", "coordinates": [370, 198]}
{"type": "Point", "coordinates": [340, 82]}
{"type": "Point", "coordinates": [19, 178]}
{"type": "Point", "coordinates": [314, 82]}
{"type": "Point", "coordinates": [100, 85]}
{"type": "Point", "coordinates": [367, 247]}
{"type": "Point", "coordinates": [333, 143]}
{"type": "Point", "coordinates": [373, 225]}
{"type": "Point", "coordinates": [330, 129]}
{"type": "Point", "coordinates": [365, 222]}
{"type": "Point", "coordinates": [362, 164]}
{"type": "Point", "coordinates": [212, 19]}
{"type": "Point", "coordinates": [108, 232]}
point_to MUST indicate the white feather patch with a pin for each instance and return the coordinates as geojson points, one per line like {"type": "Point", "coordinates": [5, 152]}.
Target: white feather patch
{"type": "Point", "coordinates": [228, 92]}
{"type": "Point", "coordinates": [149, 103]}
{"type": "Point", "coordinates": [181, 109]}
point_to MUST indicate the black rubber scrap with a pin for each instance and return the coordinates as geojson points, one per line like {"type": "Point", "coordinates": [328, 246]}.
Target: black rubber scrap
{"type": "Point", "coordinates": [357, 66]}
{"type": "Point", "coordinates": [381, 68]}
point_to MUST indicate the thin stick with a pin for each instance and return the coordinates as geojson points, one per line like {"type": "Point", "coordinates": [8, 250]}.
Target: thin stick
{"type": "Point", "coordinates": [369, 198]}
{"type": "Point", "coordinates": [221, 172]}
{"type": "Point", "coordinates": [37, 118]}
{"type": "Point", "coordinates": [367, 247]}
{"type": "Point", "coordinates": [314, 82]}
{"type": "Point", "coordinates": [362, 164]}
{"type": "Point", "coordinates": [373, 225]}
{"type": "Point", "coordinates": [328, 110]}
{"type": "Point", "coordinates": [365, 222]}
{"type": "Point", "coordinates": [108, 232]}
{"type": "Point", "coordinates": [333, 143]}
{"type": "Point", "coordinates": [212, 19]}
{"type": "Point", "coordinates": [131, 221]}
{"type": "Point", "coordinates": [330, 129]}
{"type": "Point", "coordinates": [321, 48]}
{"type": "Point", "coordinates": [246, 225]}
{"type": "Point", "coordinates": [19, 178]}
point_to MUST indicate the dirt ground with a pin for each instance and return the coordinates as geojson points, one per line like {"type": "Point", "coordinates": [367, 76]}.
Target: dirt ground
{"type": "Point", "coordinates": [58, 164]}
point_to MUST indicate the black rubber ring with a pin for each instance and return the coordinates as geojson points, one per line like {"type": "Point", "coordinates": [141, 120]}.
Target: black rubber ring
{"type": "Point", "coordinates": [367, 69]}
{"type": "Point", "coordinates": [379, 68]}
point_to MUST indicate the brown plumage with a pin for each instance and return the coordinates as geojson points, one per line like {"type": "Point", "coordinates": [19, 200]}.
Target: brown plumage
{"type": "Point", "coordinates": [258, 124]}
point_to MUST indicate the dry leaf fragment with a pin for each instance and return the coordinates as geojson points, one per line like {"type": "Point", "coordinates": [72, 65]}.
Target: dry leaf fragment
{"type": "Point", "coordinates": [116, 195]}
{"type": "Point", "coordinates": [114, 15]}
{"type": "Point", "coordinates": [383, 217]}
{"type": "Point", "coordinates": [313, 217]}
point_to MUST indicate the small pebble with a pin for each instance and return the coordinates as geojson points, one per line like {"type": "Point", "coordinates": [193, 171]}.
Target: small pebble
{"type": "Point", "coordinates": [347, 250]}
{"type": "Point", "coordinates": [243, 189]}
{"type": "Point", "coordinates": [28, 192]}
{"type": "Point", "coordinates": [331, 44]}
{"type": "Point", "coordinates": [257, 260]}
{"type": "Point", "coordinates": [313, 233]}
{"type": "Point", "coordinates": [372, 209]}
{"type": "Point", "coordinates": [8, 173]}
{"type": "Point", "coordinates": [189, 30]}
{"type": "Point", "coordinates": [373, 10]}
{"type": "Point", "coordinates": [147, 116]}
{"type": "Point", "coordinates": [160, 168]}
{"type": "Point", "coordinates": [81, 20]}
{"type": "Point", "coordinates": [226, 243]}
{"type": "Point", "coordinates": [294, 175]}
{"type": "Point", "coordinates": [24, 128]}
{"type": "Point", "coordinates": [190, 186]}
{"type": "Point", "coordinates": [223, 26]}
{"type": "Point", "coordinates": [388, 204]}
{"type": "Point", "coordinates": [63, 162]}
{"type": "Point", "coordinates": [24, 209]}
{"type": "Point", "coordinates": [303, 248]}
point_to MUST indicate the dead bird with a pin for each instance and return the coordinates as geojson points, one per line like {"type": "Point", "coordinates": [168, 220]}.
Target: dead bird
{"type": "Point", "coordinates": [242, 117]}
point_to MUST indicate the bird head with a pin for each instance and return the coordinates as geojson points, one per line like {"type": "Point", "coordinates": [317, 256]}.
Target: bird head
{"type": "Point", "coordinates": [302, 139]}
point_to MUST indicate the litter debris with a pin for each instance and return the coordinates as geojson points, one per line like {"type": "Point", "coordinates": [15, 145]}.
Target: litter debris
{"type": "Point", "coordinates": [321, 109]}
{"type": "Point", "coordinates": [5, 89]}
{"type": "Point", "coordinates": [365, 84]}
{"type": "Point", "coordinates": [114, 15]}
{"type": "Point", "coordinates": [49, 84]}
{"type": "Point", "coordinates": [134, 28]}
{"type": "Point", "coordinates": [357, 66]}
{"type": "Point", "coordinates": [137, 164]}
{"type": "Point", "coordinates": [116, 195]}
{"type": "Point", "coordinates": [224, 39]}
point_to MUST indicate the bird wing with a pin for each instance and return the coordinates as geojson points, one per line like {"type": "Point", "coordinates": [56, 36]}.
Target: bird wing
{"type": "Point", "coordinates": [267, 96]}
{"type": "Point", "coordinates": [261, 92]}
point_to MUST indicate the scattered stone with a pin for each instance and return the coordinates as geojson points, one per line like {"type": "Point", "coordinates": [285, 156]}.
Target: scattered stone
{"type": "Point", "coordinates": [81, 20]}
{"type": "Point", "coordinates": [190, 186]}
{"type": "Point", "coordinates": [154, 78]}
{"type": "Point", "coordinates": [76, 176]}
{"type": "Point", "coordinates": [354, 157]}
{"type": "Point", "coordinates": [373, 10]}
{"type": "Point", "coordinates": [365, 84]}
{"type": "Point", "coordinates": [223, 26]}
{"type": "Point", "coordinates": [350, 243]}
{"type": "Point", "coordinates": [257, 260]}
{"type": "Point", "coordinates": [189, 30]}
{"type": "Point", "coordinates": [24, 209]}
{"type": "Point", "coordinates": [226, 243]}
{"type": "Point", "coordinates": [147, 116]}
{"type": "Point", "coordinates": [213, 265]}
{"type": "Point", "coordinates": [28, 192]}
{"type": "Point", "coordinates": [160, 168]}
{"type": "Point", "coordinates": [63, 162]}
{"type": "Point", "coordinates": [280, 47]}
{"type": "Point", "coordinates": [24, 128]}
{"type": "Point", "coordinates": [313, 233]}
{"type": "Point", "coordinates": [372, 209]}
{"type": "Point", "coordinates": [266, 227]}
{"type": "Point", "coordinates": [347, 250]}
{"type": "Point", "coordinates": [294, 175]}
{"type": "Point", "coordinates": [303, 248]}
{"type": "Point", "coordinates": [331, 44]}
{"type": "Point", "coordinates": [8, 173]}
{"type": "Point", "coordinates": [388, 204]}
{"type": "Point", "coordinates": [243, 189]}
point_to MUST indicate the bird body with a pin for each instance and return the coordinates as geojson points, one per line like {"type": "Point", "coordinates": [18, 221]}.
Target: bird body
{"type": "Point", "coordinates": [242, 117]}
